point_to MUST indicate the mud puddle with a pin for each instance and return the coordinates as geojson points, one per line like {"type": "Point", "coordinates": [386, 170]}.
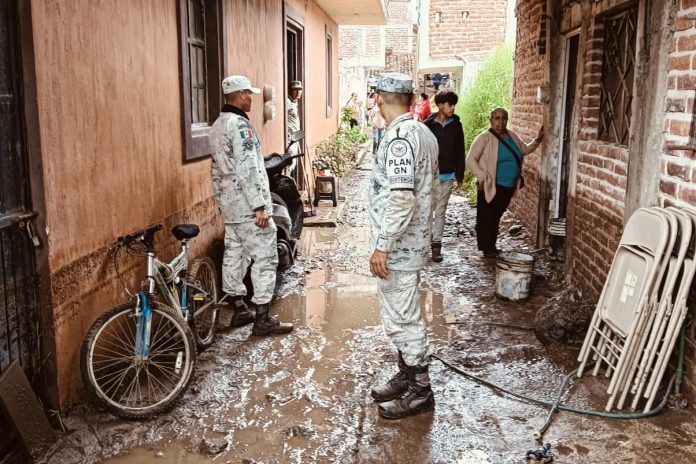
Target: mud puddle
{"type": "Point", "coordinates": [304, 397]}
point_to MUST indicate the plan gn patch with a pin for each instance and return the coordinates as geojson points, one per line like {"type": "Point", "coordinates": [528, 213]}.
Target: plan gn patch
{"type": "Point", "coordinates": [400, 165]}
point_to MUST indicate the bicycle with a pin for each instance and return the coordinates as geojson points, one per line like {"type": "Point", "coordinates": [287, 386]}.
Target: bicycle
{"type": "Point", "coordinates": [137, 358]}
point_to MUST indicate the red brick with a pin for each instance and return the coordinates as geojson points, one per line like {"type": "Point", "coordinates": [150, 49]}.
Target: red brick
{"type": "Point", "coordinates": [677, 127]}
{"type": "Point", "coordinates": [668, 187]}
{"type": "Point", "coordinates": [686, 43]}
{"type": "Point", "coordinates": [678, 170]}
{"type": "Point", "coordinates": [679, 63]}
{"type": "Point", "coordinates": [687, 193]}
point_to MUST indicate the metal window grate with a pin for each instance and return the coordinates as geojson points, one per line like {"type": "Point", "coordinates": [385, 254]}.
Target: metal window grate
{"type": "Point", "coordinates": [617, 77]}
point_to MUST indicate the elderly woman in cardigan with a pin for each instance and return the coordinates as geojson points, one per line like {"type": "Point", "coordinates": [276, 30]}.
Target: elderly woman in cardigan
{"type": "Point", "coordinates": [496, 158]}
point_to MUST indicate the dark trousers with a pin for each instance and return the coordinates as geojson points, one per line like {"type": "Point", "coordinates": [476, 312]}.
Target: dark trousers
{"type": "Point", "coordinates": [353, 123]}
{"type": "Point", "coordinates": [488, 216]}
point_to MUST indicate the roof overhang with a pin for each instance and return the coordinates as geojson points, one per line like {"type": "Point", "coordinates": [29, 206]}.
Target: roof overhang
{"type": "Point", "coordinates": [450, 66]}
{"type": "Point", "coordinates": [356, 12]}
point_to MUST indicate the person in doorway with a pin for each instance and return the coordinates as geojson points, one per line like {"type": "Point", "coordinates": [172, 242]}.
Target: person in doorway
{"type": "Point", "coordinates": [448, 131]}
{"type": "Point", "coordinates": [352, 105]}
{"type": "Point", "coordinates": [378, 125]}
{"type": "Point", "coordinates": [496, 158]}
{"type": "Point", "coordinates": [403, 188]}
{"type": "Point", "coordinates": [423, 107]}
{"type": "Point", "coordinates": [241, 187]}
{"type": "Point", "coordinates": [293, 120]}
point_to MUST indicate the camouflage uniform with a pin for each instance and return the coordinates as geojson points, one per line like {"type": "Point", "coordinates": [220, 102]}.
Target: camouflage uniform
{"type": "Point", "coordinates": [404, 189]}
{"type": "Point", "coordinates": [293, 126]}
{"type": "Point", "coordinates": [240, 184]}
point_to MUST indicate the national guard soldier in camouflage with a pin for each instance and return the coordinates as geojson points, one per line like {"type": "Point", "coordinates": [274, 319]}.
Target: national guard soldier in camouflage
{"type": "Point", "coordinates": [293, 119]}
{"type": "Point", "coordinates": [401, 205]}
{"type": "Point", "coordinates": [240, 184]}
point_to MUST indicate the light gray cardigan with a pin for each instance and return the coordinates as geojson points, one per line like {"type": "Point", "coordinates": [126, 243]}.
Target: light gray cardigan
{"type": "Point", "coordinates": [483, 159]}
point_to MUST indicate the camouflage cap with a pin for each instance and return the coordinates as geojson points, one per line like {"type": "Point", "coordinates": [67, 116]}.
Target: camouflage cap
{"type": "Point", "coordinates": [395, 83]}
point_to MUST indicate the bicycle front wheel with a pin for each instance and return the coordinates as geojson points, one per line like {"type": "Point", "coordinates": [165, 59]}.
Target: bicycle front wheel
{"type": "Point", "coordinates": [122, 382]}
{"type": "Point", "coordinates": [203, 308]}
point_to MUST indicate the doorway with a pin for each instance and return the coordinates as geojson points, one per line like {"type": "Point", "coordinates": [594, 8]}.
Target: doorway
{"type": "Point", "coordinates": [294, 64]}
{"type": "Point", "coordinates": [567, 139]}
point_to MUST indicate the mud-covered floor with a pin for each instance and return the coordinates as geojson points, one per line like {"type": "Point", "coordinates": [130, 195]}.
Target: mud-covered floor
{"type": "Point", "coordinates": [304, 398]}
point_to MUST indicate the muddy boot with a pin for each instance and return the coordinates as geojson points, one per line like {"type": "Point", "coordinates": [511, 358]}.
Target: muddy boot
{"type": "Point", "coordinates": [265, 324]}
{"type": "Point", "coordinates": [417, 399]}
{"type": "Point", "coordinates": [395, 387]}
{"type": "Point", "coordinates": [436, 249]}
{"type": "Point", "coordinates": [242, 313]}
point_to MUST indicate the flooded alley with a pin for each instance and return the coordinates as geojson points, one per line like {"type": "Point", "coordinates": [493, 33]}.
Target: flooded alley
{"type": "Point", "coordinates": [305, 397]}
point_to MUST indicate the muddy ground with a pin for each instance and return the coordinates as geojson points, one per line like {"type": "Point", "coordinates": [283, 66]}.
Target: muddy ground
{"type": "Point", "coordinates": [304, 398]}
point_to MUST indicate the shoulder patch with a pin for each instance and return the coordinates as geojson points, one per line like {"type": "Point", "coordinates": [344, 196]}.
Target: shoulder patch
{"type": "Point", "coordinates": [400, 165]}
{"type": "Point", "coordinates": [398, 148]}
{"type": "Point", "coordinates": [246, 134]}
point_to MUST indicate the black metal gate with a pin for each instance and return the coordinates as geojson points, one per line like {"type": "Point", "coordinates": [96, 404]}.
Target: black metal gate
{"type": "Point", "coordinates": [19, 315]}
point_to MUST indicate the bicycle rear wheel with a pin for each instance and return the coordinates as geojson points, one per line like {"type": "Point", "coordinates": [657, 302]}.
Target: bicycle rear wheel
{"type": "Point", "coordinates": [204, 313]}
{"type": "Point", "coordinates": [134, 388]}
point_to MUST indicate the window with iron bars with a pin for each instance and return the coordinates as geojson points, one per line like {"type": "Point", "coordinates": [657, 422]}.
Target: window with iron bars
{"type": "Point", "coordinates": [618, 67]}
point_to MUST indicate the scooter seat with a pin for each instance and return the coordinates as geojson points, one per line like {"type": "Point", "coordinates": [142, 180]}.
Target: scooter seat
{"type": "Point", "coordinates": [272, 161]}
{"type": "Point", "coordinates": [185, 231]}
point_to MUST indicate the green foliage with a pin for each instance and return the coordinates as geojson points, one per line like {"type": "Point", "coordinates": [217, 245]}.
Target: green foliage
{"type": "Point", "coordinates": [491, 88]}
{"type": "Point", "coordinates": [339, 152]}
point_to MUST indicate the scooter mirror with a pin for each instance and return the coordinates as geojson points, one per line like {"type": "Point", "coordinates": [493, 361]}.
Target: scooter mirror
{"type": "Point", "coordinates": [297, 136]}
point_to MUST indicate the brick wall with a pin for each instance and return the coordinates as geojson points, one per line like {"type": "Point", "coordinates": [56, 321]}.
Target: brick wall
{"type": "Point", "coordinates": [369, 50]}
{"type": "Point", "coordinates": [596, 210]}
{"type": "Point", "coordinates": [525, 114]}
{"type": "Point", "coordinates": [677, 169]}
{"type": "Point", "coordinates": [596, 205]}
{"type": "Point", "coordinates": [468, 28]}
{"type": "Point", "coordinates": [678, 162]}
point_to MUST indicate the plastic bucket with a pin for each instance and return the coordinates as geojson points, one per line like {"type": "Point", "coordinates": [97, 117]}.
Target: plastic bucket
{"type": "Point", "coordinates": [557, 233]}
{"type": "Point", "coordinates": [513, 276]}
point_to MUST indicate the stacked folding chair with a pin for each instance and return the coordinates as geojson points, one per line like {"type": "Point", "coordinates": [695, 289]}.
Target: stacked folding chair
{"type": "Point", "coordinates": [643, 304]}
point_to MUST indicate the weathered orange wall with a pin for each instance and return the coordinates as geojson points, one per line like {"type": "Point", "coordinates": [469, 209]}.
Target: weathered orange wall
{"type": "Point", "coordinates": [108, 90]}
{"type": "Point", "coordinates": [110, 125]}
{"type": "Point", "coordinates": [317, 23]}
{"type": "Point", "coordinates": [109, 102]}
{"type": "Point", "coordinates": [255, 33]}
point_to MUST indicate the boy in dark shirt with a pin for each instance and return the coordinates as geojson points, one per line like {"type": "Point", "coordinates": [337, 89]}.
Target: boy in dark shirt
{"type": "Point", "coordinates": [447, 128]}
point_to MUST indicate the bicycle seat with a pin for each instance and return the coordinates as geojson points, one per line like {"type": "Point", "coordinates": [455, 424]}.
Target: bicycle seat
{"type": "Point", "coordinates": [185, 231]}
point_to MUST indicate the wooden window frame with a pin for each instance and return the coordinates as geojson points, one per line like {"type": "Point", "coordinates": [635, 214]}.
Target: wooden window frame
{"type": "Point", "coordinates": [329, 72]}
{"type": "Point", "coordinates": [195, 137]}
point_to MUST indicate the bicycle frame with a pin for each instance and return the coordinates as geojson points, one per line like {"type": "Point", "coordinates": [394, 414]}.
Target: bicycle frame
{"type": "Point", "coordinates": [168, 288]}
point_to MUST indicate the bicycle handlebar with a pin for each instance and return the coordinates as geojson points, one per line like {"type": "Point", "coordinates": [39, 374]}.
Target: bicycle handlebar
{"type": "Point", "coordinates": [142, 235]}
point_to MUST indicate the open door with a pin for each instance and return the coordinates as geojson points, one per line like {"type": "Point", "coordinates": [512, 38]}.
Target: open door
{"type": "Point", "coordinates": [569, 95]}
{"type": "Point", "coordinates": [294, 71]}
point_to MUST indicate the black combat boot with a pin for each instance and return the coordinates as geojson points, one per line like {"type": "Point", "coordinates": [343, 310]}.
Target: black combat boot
{"type": "Point", "coordinates": [436, 249]}
{"type": "Point", "coordinates": [265, 324]}
{"type": "Point", "coordinates": [417, 399]}
{"type": "Point", "coordinates": [242, 313]}
{"type": "Point", "coordinates": [395, 387]}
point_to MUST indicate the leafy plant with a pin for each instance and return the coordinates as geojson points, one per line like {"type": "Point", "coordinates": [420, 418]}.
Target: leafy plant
{"type": "Point", "coordinates": [339, 152]}
{"type": "Point", "coordinates": [492, 87]}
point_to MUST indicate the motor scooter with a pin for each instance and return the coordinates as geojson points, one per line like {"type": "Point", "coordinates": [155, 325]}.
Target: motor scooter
{"type": "Point", "coordinates": [288, 210]}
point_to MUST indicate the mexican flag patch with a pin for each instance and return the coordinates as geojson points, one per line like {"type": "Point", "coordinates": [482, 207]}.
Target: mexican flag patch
{"type": "Point", "coordinates": [246, 134]}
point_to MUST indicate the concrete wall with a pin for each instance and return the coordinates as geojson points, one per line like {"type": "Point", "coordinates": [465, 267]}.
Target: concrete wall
{"type": "Point", "coordinates": [109, 109]}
